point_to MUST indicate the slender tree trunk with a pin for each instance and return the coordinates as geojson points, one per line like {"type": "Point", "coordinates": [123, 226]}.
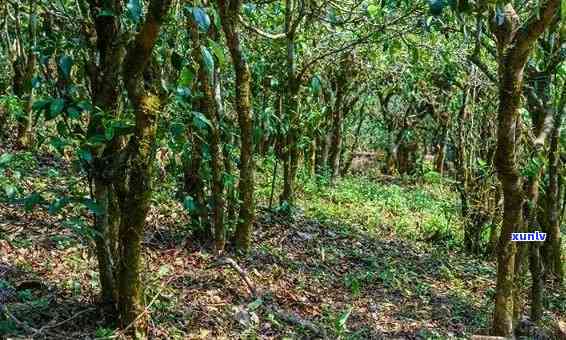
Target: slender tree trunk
{"type": "Point", "coordinates": [210, 109]}
{"type": "Point", "coordinates": [354, 146]}
{"type": "Point", "coordinates": [228, 10]}
{"type": "Point", "coordinates": [442, 149]}
{"type": "Point", "coordinates": [553, 250]}
{"type": "Point", "coordinates": [141, 150]}
{"type": "Point", "coordinates": [195, 186]}
{"type": "Point", "coordinates": [104, 78]}
{"type": "Point", "coordinates": [23, 73]}
{"type": "Point", "coordinates": [336, 144]}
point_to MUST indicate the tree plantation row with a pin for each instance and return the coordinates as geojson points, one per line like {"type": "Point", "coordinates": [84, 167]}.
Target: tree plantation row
{"type": "Point", "coordinates": [131, 98]}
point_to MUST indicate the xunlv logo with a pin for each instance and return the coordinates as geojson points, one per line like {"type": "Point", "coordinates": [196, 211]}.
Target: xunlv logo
{"type": "Point", "coordinates": [526, 237]}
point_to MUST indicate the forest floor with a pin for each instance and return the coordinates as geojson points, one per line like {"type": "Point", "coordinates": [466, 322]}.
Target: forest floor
{"type": "Point", "coordinates": [362, 260]}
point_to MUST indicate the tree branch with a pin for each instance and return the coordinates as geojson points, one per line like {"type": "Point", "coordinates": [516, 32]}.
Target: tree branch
{"type": "Point", "coordinates": [536, 26]}
{"type": "Point", "coordinates": [259, 31]}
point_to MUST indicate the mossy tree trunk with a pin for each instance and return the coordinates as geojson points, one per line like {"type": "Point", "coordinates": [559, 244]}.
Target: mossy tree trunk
{"type": "Point", "coordinates": [210, 108]}
{"type": "Point", "coordinates": [229, 10]}
{"type": "Point", "coordinates": [194, 184]}
{"type": "Point", "coordinates": [552, 249]}
{"type": "Point", "coordinates": [291, 108]}
{"type": "Point", "coordinates": [24, 66]}
{"type": "Point", "coordinates": [514, 46]}
{"type": "Point", "coordinates": [141, 149]}
{"type": "Point", "coordinates": [354, 146]}
{"type": "Point", "coordinates": [336, 129]}
{"type": "Point", "coordinates": [104, 78]}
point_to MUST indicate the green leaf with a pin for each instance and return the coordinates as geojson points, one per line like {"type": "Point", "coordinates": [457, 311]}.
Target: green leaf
{"type": "Point", "coordinates": [207, 59]}
{"type": "Point", "coordinates": [39, 105]}
{"type": "Point", "coordinates": [58, 204]}
{"type": "Point", "coordinates": [201, 18]}
{"type": "Point", "coordinates": [177, 129]}
{"type": "Point", "coordinates": [249, 8]}
{"type": "Point", "coordinates": [58, 144]}
{"type": "Point", "coordinates": [436, 7]}
{"type": "Point", "coordinates": [200, 120]}
{"type": "Point", "coordinates": [10, 190]}
{"type": "Point", "coordinates": [85, 154]}
{"type": "Point", "coordinates": [218, 51]}
{"type": "Point", "coordinates": [6, 158]}
{"type": "Point", "coordinates": [73, 112]}
{"type": "Point", "coordinates": [164, 270]}
{"type": "Point", "coordinates": [92, 205]}
{"type": "Point", "coordinates": [374, 10]}
{"type": "Point", "coordinates": [134, 10]}
{"type": "Point", "coordinates": [32, 200]}
{"type": "Point", "coordinates": [65, 65]}
{"type": "Point", "coordinates": [56, 108]}
{"type": "Point", "coordinates": [106, 13]}
{"type": "Point", "coordinates": [189, 204]}
{"type": "Point", "coordinates": [85, 105]}
{"type": "Point", "coordinates": [255, 304]}
{"type": "Point", "coordinates": [186, 77]}
{"type": "Point", "coordinates": [62, 128]}
{"type": "Point", "coordinates": [315, 84]}
{"type": "Point", "coordinates": [109, 132]}
{"type": "Point", "coordinates": [36, 82]}
{"type": "Point", "coordinates": [341, 322]}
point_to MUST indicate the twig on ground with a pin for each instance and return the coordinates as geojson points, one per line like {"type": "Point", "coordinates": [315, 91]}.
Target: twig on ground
{"type": "Point", "coordinates": [243, 275]}
{"type": "Point", "coordinates": [66, 320]}
{"type": "Point", "coordinates": [272, 308]}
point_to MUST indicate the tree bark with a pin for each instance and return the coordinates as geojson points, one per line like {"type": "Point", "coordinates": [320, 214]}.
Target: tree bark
{"type": "Point", "coordinates": [354, 146]}
{"type": "Point", "coordinates": [141, 150]}
{"type": "Point", "coordinates": [228, 10]}
{"type": "Point", "coordinates": [514, 46]}
{"type": "Point", "coordinates": [104, 87]}
{"type": "Point", "coordinates": [23, 73]}
{"type": "Point", "coordinates": [209, 107]}
{"type": "Point", "coordinates": [552, 248]}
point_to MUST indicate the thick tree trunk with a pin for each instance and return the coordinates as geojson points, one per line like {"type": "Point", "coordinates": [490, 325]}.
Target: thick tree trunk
{"type": "Point", "coordinates": [228, 10]}
{"type": "Point", "coordinates": [514, 47]}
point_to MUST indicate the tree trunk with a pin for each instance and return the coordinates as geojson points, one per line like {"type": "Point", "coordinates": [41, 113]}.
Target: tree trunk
{"type": "Point", "coordinates": [336, 144]}
{"type": "Point", "coordinates": [23, 73]}
{"type": "Point", "coordinates": [514, 46]}
{"type": "Point", "coordinates": [141, 151]}
{"type": "Point", "coordinates": [209, 107]}
{"type": "Point", "coordinates": [442, 148]}
{"type": "Point", "coordinates": [354, 146]}
{"type": "Point", "coordinates": [194, 185]}
{"type": "Point", "coordinates": [228, 10]}
{"type": "Point", "coordinates": [552, 248]}
{"type": "Point", "coordinates": [104, 79]}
